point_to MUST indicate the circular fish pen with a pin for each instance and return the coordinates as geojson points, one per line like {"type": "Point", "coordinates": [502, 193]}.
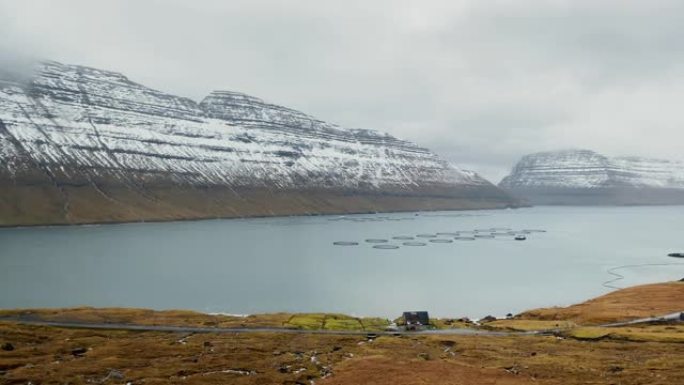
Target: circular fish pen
{"type": "Point", "coordinates": [488, 236]}
{"type": "Point", "coordinates": [345, 243]}
{"type": "Point", "coordinates": [414, 244]}
{"type": "Point", "coordinates": [386, 247]}
{"type": "Point", "coordinates": [403, 237]}
{"type": "Point", "coordinates": [376, 240]}
{"type": "Point", "coordinates": [464, 238]}
{"type": "Point", "coordinates": [426, 236]}
{"type": "Point", "coordinates": [441, 240]}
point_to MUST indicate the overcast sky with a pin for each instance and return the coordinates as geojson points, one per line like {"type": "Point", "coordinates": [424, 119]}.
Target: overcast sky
{"type": "Point", "coordinates": [479, 82]}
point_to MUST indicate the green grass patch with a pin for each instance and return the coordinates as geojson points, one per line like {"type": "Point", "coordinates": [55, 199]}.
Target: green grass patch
{"type": "Point", "coordinates": [343, 324]}
{"type": "Point", "coordinates": [313, 321]}
{"type": "Point", "coordinates": [374, 324]}
{"type": "Point", "coordinates": [306, 321]}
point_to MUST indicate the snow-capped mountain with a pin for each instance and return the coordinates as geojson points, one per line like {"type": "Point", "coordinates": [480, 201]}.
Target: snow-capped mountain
{"type": "Point", "coordinates": [586, 177]}
{"type": "Point", "coordinates": [79, 144]}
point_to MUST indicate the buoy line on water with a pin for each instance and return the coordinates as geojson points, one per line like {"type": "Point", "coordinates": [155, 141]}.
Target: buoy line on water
{"type": "Point", "coordinates": [438, 237]}
{"type": "Point", "coordinates": [619, 276]}
{"type": "Point", "coordinates": [369, 219]}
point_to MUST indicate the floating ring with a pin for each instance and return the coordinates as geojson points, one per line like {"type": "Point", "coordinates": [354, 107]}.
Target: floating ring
{"type": "Point", "coordinates": [387, 247]}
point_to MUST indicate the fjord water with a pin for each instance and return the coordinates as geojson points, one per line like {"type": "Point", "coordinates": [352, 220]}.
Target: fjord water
{"type": "Point", "coordinates": [248, 266]}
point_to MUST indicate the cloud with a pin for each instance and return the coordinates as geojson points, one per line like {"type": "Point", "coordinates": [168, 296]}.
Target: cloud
{"type": "Point", "coordinates": [16, 61]}
{"type": "Point", "coordinates": [480, 82]}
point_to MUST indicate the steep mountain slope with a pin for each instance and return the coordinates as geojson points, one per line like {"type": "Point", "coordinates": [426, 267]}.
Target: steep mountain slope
{"type": "Point", "coordinates": [585, 177]}
{"type": "Point", "coordinates": [81, 145]}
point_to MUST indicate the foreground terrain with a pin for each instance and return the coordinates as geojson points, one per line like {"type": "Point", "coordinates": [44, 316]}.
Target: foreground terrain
{"type": "Point", "coordinates": [574, 350]}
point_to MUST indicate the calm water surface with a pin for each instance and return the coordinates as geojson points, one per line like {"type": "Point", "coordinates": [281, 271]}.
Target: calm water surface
{"type": "Point", "coordinates": [291, 264]}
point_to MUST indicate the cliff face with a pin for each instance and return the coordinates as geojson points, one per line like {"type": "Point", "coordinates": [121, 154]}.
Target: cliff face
{"type": "Point", "coordinates": [585, 177]}
{"type": "Point", "coordinates": [81, 145]}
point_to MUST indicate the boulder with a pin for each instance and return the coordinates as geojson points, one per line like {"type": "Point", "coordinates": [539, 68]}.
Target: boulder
{"type": "Point", "coordinates": [78, 352]}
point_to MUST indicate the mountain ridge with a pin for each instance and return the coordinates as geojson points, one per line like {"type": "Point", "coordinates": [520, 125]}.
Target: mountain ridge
{"type": "Point", "coordinates": [587, 177]}
{"type": "Point", "coordinates": [84, 145]}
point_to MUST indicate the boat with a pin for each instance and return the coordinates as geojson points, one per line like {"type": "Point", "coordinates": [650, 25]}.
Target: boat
{"type": "Point", "coordinates": [676, 255]}
{"type": "Point", "coordinates": [520, 238]}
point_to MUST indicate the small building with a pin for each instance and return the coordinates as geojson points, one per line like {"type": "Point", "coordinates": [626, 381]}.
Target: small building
{"type": "Point", "coordinates": [416, 319]}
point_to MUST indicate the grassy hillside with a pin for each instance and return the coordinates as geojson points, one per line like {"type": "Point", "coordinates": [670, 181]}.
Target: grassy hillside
{"type": "Point", "coordinates": [577, 354]}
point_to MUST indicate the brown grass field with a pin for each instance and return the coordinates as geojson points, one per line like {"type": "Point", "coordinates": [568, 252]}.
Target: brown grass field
{"type": "Point", "coordinates": [579, 353]}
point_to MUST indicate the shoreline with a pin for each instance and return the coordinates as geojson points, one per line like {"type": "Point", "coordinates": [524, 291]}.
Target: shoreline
{"type": "Point", "coordinates": [309, 319]}
{"type": "Point", "coordinates": [303, 215]}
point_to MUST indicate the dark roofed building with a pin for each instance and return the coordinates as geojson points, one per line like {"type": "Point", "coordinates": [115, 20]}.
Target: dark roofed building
{"type": "Point", "coordinates": [415, 319]}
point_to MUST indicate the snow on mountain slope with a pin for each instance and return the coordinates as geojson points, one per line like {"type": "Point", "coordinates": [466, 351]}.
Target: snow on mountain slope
{"type": "Point", "coordinates": [101, 122]}
{"type": "Point", "coordinates": [79, 126]}
{"type": "Point", "coordinates": [647, 172]}
{"type": "Point", "coordinates": [587, 169]}
{"type": "Point", "coordinates": [581, 168]}
{"type": "Point", "coordinates": [592, 177]}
